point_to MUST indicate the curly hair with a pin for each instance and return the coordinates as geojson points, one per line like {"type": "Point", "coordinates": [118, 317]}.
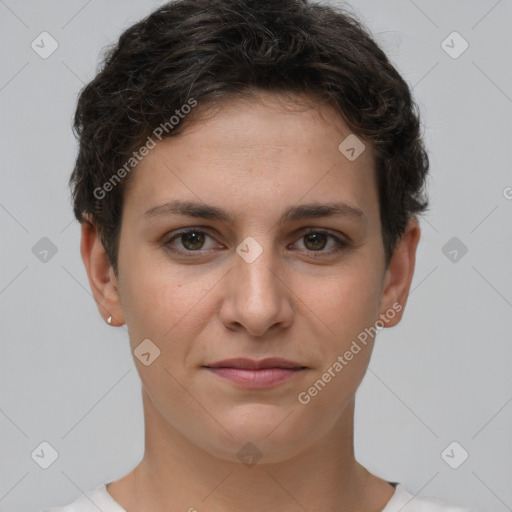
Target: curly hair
{"type": "Point", "coordinates": [210, 50]}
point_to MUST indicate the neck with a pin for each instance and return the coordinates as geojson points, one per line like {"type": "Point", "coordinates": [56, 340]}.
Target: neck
{"type": "Point", "coordinates": [175, 474]}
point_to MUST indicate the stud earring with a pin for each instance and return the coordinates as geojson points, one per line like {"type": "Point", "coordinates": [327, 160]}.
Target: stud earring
{"type": "Point", "coordinates": [109, 320]}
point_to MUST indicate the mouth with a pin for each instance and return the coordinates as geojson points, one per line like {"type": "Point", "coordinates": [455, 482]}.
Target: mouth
{"type": "Point", "coordinates": [254, 374]}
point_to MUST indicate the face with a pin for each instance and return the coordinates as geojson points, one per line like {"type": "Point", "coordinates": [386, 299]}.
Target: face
{"type": "Point", "coordinates": [252, 236]}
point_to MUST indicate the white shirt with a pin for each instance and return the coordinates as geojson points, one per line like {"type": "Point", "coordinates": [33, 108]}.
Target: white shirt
{"type": "Point", "coordinates": [401, 501]}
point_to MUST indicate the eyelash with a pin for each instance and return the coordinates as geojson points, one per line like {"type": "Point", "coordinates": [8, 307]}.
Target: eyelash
{"type": "Point", "coordinates": [341, 244]}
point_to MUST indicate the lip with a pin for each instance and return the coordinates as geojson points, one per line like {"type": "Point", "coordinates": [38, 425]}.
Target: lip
{"type": "Point", "coordinates": [252, 364]}
{"type": "Point", "coordinates": [253, 374]}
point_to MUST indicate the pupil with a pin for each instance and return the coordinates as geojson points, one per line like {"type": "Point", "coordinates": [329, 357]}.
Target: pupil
{"type": "Point", "coordinates": [196, 240]}
{"type": "Point", "coordinates": [318, 240]}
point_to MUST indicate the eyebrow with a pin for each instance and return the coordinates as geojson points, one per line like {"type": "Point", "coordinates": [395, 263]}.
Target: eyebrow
{"type": "Point", "coordinates": [301, 212]}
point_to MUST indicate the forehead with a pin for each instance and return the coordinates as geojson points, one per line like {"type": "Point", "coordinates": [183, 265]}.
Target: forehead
{"type": "Point", "coordinates": [250, 153]}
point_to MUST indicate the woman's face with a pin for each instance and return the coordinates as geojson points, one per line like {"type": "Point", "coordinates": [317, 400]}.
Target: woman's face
{"type": "Point", "coordinates": [273, 279]}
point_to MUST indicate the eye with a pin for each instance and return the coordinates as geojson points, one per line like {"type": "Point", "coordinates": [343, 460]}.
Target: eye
{"type": "Point", "coordinates": [191, 240]}
{"type": "Point", "coordinates": [317, 241]}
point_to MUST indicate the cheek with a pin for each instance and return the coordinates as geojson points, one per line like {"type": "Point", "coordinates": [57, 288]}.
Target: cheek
{"type": "Point", "coordinates": [163, 302]}
{"type": "Point", "coordinates": [347, 303]}
{"type": "Point", "coordinates": [345, 299]}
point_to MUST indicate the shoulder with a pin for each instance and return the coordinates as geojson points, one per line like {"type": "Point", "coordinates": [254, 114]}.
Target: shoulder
{"type": "Point", "coordinates": [404, 501]}
{"type": "Point", "coordinates": [92, 501]}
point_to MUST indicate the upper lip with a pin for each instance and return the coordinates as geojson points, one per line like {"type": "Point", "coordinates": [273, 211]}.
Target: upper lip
{"type": "Point", "coordinates": [251, 364]}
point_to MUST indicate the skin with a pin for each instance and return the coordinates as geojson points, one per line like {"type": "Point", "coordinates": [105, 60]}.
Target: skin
{"type": "Point", "coordinates": [254, 157]}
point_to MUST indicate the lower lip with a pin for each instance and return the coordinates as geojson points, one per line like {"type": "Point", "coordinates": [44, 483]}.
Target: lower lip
{"type": "Point", "coordinates": [257, 379]}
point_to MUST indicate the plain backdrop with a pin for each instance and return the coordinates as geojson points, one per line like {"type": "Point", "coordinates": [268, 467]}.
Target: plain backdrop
{"type": "Point", "coordinates": [441, 376]}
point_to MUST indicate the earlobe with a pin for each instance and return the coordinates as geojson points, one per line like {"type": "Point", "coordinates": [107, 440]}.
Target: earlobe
{"type": "Point", "coordinates": [399, 274]}
{"type": "Point", "coordinates": [102, 279]}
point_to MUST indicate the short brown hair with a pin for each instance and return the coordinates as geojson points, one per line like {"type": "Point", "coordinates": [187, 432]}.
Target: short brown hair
{"type": "Point", "coordinates": [207, 50]}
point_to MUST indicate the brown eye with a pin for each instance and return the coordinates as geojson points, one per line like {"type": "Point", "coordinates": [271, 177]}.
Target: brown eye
{"type": "Point", "coordinates": [315, 241]}
{"type": "Point", "coordinates": [192, 240]}
{"type": "Point", "coordinates": [321, 243]}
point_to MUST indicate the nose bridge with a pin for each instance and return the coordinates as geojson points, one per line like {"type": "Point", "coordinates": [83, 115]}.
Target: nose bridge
{"type": "Point", "coordinates": [255, 268]}
{"type": "Point", "coordinates": [258, 298]}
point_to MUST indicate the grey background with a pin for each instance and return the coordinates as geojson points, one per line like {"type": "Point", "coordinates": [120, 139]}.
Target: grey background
{"type": "Point", "coordinates": [442, 375]}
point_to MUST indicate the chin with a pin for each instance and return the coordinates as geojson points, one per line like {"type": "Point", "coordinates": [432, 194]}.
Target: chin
{"type": "Point", "coordinates": [260, 433]}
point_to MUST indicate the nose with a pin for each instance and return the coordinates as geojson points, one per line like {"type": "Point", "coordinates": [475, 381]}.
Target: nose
{"type": "Point", "coordinates": [257, 297]}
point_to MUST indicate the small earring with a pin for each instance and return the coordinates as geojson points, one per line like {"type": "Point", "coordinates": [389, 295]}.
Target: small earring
{"type": "Point", "coordinates": [109, 320]}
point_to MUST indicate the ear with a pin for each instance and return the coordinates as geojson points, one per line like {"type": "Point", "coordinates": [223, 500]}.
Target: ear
{"type": "Point", "coordinates": [101, 275]}
{"type": "Point", "coordinates": [398, 276]}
